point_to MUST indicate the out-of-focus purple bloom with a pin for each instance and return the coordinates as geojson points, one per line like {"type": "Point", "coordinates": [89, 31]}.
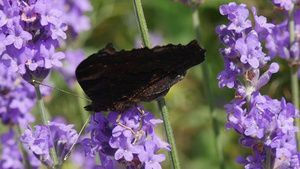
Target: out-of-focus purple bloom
{"type": "Point", "coordinates": [72, 60]}
{"type": "Point", "coordinates": [252, 162]}
{"type": "Point", "coordinates": [191, 3]}
{"type": "Point", "coordinates": [79, 159]}
{"type": "Point", "coordinates": [14, 107]}
{"type": "Point", "coordinates": [278, 41]}
{"type": "Point", "coordinates": [120, 144]}
{"type": "Point", "coordinates": [11, 157]}
{"type": "Point", "coordinates": [73, 15]}
{"type": "Point", "coordinates": [286, 4]}
{"type": "Point", "coordinates": [155, 38]}
{"type": "Point", "coordinates": [261, 23]}
{"type": "Point", "coordinates": [17, 99]}
{"type": "Point", "coordinates": [40, 141]}
{"type": "Point", "coordinates": [265, 124]}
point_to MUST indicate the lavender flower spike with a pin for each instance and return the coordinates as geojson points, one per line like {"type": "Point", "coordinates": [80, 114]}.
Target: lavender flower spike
{"type": "Point", "coordinates": [115, 142]}
{"type": "Point", "coordinates": [40, 141]}
{"type": "Point", "coordinates": [265, 124]}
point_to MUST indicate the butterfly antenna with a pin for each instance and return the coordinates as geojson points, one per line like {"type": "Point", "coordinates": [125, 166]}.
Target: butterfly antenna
{"type": "Point", "coordinates": [64, 91]}
{"type": "Point", "coordinates": [81, 130]}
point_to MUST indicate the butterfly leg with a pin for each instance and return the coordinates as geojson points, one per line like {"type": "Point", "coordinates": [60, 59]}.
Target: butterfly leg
{"type": "Point", "coordinates": [126, 127]}
{"type": "Point", "coordinates": [140, 110]}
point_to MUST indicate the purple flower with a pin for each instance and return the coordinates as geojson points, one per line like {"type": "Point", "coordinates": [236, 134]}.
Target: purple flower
{"type": "Point", "coordinates": [238, 15]}
{"type": "Point", "coordinates": [17, 99]}
{"type": "Point", "coordinates": [252, 162]}
{"type": "Point", "coordinates": [31, 31]}
{"type": "Point", "coordinates": [265, 124]}
{"type": "Point", "coordinates": [119, 143]}
{"type": "Point", "coordinates": [73, 15]}
{"type": "Point", "coordinates": [11, 156]}
{"type": "Point", "coordinates": [268, 123]}
{"type": "Point", "coordinates": [9, 13]}
{"type": "Point", "coordinates": [30, 26]}
{"type": "Point", "coordinates": [261, 23]}
{"type": "Point", "coordinates": [286, 4]}
{"type": "Point", "coordinates": [277, 42]}
{"type": "Point", "coordinates": [256, 81]}
{"type": "Point", "coordinates": [40, 141]}
{"type": "Point", "coordinates": [149, 157]}
{"type": "Point", "coordinates": [17, 36]}
{"type": "Point", "coordinates": [47, 57]}
{"type": "Point", "coordinates": [79, 159]}
{"type": "Point", "coordinates": [72, 60]}
{"type": "Point", "coordinates": [125, 149]}
{"type": "Point", "coordinates": [190, 3]}
{"type": "Point", "coordinates": [63, 138]}
{"type": "Point", "coordinates": [48, 12]}
{"type": "Point", "coordinates": [250, 49]}
{"type": "Point", "coordinates": [156, 40]}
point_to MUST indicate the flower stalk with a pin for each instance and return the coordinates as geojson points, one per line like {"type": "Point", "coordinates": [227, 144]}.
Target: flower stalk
{"type": "Point", "coordinates": [45, 121]}
{"type": "Point", "coordinates": [161, 102]}
{"type": "Point", "coordinates": [294, 75]}
{"type": "Point", "coordinates": [23, 151]}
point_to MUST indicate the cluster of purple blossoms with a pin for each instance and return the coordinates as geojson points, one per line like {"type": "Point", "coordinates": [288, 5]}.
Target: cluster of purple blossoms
{"type": "Point", "coordinates": [30, 33]}
{"type": "Point", "coordinates": [278, 42]}
{"type": "Point", "coordinates": [32, 30]}
{"type": "Point", "coordinates": [265, 124]}
{"type": "Point", "coordinates": [59, 136]}
{"type": "Point", "coordinates": [11, 156]}
{"type": "Point", "coordinates": [118, 146]}
{"type": "Point", "coordinates": [17, 99]}
{"type": "Point", "coordinates": [286, 4]}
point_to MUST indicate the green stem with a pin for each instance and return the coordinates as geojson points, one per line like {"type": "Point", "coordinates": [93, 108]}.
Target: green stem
{"type": "Point", "coordinates": [45, 121]}
{"type": "Point", "coordinates": [138, 9]}
{"type": "Point", "coordinates": [21, 148]}
{"type": "Point", "coordinates": [294, 75]}
{"type": "Point", "coordinates": [137, 4]}
{"type": "Point", "coordinates": [169, 132]}
{"type": "Point", "coordinates": [268, 159]}
{"type": "Point", "coordinates": [208, 92]}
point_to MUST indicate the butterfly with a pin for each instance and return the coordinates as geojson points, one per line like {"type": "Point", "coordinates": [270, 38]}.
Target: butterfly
{"type": "Point", "coordinates": [117, 80]}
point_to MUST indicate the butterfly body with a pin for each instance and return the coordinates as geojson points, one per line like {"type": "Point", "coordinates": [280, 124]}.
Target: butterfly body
{"type": "Point", "coordinates": [116, 81]}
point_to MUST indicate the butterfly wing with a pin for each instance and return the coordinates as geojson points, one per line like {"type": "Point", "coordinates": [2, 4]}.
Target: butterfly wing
{"type": "Point", "coordinates": [118, 80]}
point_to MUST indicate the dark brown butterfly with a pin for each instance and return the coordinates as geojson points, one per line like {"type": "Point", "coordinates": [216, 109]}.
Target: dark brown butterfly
{"type": "Point", "coordinates": [116, 81]}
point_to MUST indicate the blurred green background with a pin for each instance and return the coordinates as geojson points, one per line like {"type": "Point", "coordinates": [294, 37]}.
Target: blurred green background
{"type": "Point", "coordinates": [114, 21]}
